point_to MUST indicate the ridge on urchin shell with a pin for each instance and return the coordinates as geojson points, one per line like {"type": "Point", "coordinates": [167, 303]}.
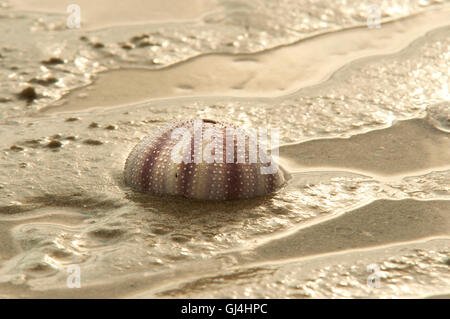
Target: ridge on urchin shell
{"type": "Point", "coordinates": [152, 168]}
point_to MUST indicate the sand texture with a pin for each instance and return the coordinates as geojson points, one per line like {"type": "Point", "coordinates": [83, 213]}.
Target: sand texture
{"type": "Point", "coordinates": [364, 122]}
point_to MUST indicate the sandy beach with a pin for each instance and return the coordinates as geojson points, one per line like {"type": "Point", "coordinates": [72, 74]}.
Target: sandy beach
{"type": "Point", "coordinates": [363, 115]}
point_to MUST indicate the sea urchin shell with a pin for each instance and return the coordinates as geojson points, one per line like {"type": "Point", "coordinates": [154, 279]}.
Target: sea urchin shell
{"type": "Point", "coordinates": [203, 159]}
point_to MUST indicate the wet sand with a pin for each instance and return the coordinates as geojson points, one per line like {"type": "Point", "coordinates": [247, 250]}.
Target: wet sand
{"type": "Point", "coordinates": [365, 148]}
{"type": "Point", "coordinates": [404, 148]}
{"type": "Point", "coordinates": [378, 223]}
{"type": "Point", "coordinates": [275, 72]}
{"type": "Point", "coordinates": [101, 14]}
{"type": "Point", "coordinates": [333, 275]}
{"type": "Point", "coordinates": [381, 222]}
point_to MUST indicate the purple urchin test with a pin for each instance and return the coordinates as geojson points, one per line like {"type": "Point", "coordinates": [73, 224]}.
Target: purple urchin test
{"type": "Point", "coordinates": [205, 160]}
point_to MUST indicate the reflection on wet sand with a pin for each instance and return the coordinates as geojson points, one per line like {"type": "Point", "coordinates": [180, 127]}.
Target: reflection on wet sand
{"type": "Point", "coordinates": [378, 223]}
{"type": "Point", "coordinates": [407, 146]}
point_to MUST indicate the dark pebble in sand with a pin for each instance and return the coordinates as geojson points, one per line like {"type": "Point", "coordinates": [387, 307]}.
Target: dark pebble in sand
{"type": "Point", "coordinates": [147, 43]}
{"type": "Point", "coordinates": [72, 119]}
{"type": "Point", "coordinates": [93, 125]}
{"type": "Point", "coordinates": [92, 142]}
{"type": "Point", "coordinates": [137, 38]}
{"type": "Point", "coordinates": [71, 138]}
{"type": "Point", "coordinates": [46, 81]}
{"type": "Point", "coordinates": [98, 45]}
{"type": "Point", "coordinates": [23, 165]}
{"type": "Point", "coordinates": [28, 94]}
{"type": "Point", "coordinates": [160, 231]}
{"type": "Point", "coordinates": [180, 239]}
{"type": "Point", "coordinates": [111, 127]}
{"type": "Point", "coordinates": [16, 148]}
{"type": "Point", "coordinates": [53, 61]}
{"type": "Point", "coordinates": [54, 144]}
{"type": "Point", "coordinates": [106, 233]}
{"type": "Point", "coordinates": [447, 261]}
{"type": "Point", "coordinates": [127, 46]}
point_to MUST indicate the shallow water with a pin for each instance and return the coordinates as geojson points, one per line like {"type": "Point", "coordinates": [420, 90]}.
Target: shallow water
{"type": "Point", "coordinates": [365, 144]}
